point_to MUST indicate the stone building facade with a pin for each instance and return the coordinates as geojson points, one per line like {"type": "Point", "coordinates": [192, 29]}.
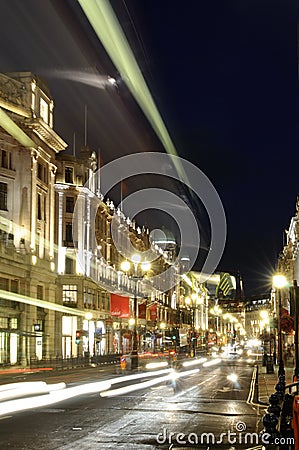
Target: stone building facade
{"type": "Point", "coordinates": [59, 266]}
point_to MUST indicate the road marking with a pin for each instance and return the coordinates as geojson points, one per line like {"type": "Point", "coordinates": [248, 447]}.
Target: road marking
{"type": "Point", "coordinates": [184, 392]}
{"type": "Point", "coordinates": [250, 397]}
{"type": "Point", "coordinates": [5, 417]}
{"type": "Point", "coordinates": [203, 382]}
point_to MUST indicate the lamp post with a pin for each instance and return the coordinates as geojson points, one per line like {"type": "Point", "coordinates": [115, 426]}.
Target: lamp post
{"type": "Point", "coordinates": [162, 327]}
{"type": "Point", "coordinates": [264, 316]}
{"type": "Point", "coordinates": [145, 266]}
{"type": "Point", "coordinates": [192, 303]}
{"type": "Point", "coordinates": [216, 312]}
{"type": "Point", "coordinates": [279, 282]}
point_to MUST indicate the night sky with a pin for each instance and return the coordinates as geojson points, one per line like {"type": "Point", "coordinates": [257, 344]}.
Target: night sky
{"type": "Point", "coordinates": [224, 75]}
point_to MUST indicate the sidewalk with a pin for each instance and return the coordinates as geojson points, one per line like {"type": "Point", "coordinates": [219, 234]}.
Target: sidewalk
{"type": "Point", "coordinates": [268, 381]}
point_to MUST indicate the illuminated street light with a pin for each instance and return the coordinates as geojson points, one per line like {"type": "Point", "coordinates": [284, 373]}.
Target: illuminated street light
{"type": "Point", "coordinates": [279, 282]}
{"type": "Point", "coordinates": [145, 266]}
{"type": "Point", "coordinates": [125, 266]}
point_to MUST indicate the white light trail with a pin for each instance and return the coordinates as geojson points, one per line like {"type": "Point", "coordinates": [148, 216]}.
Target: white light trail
{"type": "Point", "coordinates": [194, 362]}
{"type": "Point", "coordinates": [156, 365]}
{"type": "Point", "coordinates": [17, 390]}
{"type": "Point", "coordinates": [22, 404]}
{"type": "Point", "coordinates": [55, 393]}
{"type": "Point", "coordinates": [136, 387]}
{"type": "Point", "coordinates": [212, 363]}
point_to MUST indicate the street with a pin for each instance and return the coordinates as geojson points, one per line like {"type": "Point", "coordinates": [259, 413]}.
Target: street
{"type": "Point", "coordinates": [208, 408]}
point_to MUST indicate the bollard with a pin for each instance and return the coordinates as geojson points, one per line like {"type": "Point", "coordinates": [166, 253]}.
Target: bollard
{"type": "Point", "coordinates": [270, 432]}
{"type": "Point", "coordinates": [274, 407]}
{"type": "Point", "coordinates": [282, 379]}
{"type": "Point", "coordinates": [280, 387]}
{"type": "Point", "coordinates": [174, 360]}
{"type": "Point", "coordinates": [123, 362]}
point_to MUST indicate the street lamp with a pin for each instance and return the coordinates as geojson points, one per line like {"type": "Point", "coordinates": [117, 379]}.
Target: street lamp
{"type": "Point", "coordinates": [192, 303]}
{"type": "Point", "coordinates": [145, 266]}
{"type": "Point", "coordinates": [279, 282]}
{"type": "Point", "coordinates": [216, 311]}
{"type": "Point", "coordinates": [162, 327]}
{"type": "Point", "coordinates": [264, 321]}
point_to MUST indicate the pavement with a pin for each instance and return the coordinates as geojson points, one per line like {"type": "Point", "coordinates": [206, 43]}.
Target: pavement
{"type": "Point", "coordinates": [266, 382]}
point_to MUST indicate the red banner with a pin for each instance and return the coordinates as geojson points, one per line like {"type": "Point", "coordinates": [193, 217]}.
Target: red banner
{"type": "Point", "coordinates": [119, 306]}
{"type": "Point", "coordinates": [142, 311]}
{"type": "Point", "coordinates": [287, 323]}
{"type": "Point", "coordinates": [153, 312]}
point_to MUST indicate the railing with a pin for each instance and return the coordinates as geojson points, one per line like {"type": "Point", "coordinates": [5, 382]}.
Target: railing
{"type": "Point", "coordinates": [278, 429]}
{"type": "Point", "coordinates": [73, 362]}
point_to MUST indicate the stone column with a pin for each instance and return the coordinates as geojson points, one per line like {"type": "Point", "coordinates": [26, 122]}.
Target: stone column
{"type": "Point", "coordinates": [23, 340]}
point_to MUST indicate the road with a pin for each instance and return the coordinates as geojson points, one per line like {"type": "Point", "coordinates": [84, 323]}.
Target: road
{"type": "Point", "coordinates": [171, 414]}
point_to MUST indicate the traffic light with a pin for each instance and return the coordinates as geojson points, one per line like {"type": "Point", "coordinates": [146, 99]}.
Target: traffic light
{"type": "Point", "coordinates": [78, 336]}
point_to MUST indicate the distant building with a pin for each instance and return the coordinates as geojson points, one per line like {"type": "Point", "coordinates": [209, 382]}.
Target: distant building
{"type": "Point", "coordinates": [258, 315]}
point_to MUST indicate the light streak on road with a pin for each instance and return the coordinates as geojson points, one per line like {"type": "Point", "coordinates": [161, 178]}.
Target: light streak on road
{"type": "Point", "coordinates": [22, 404]}
{"type": "Point", "coordinates": [138, 376]}
{"type": "Point", "coordinates": [58, 392]}
{"type": "Point", "coordinates": [194, 362]}
{"type": "Point", "coordinates": [136, 387]}
{"type": "Point", "coordinates": [17, 390]}
{"type": "Point", "coordinates": [212, 363]}
{"type": "Point", "coordinates": [156, 365]}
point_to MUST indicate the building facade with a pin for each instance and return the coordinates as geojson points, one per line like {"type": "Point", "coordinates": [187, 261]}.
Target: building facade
{"type": "Point", "coordinates": [64, 291]}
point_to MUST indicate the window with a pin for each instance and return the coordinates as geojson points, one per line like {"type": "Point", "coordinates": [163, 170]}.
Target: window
{"type": "Point", "coordinates": [45, 209]}
{"type": "Point", "coordinates": [4, 284]}
{"type": "Point", "coordinates": [14, 286]}
{"type": "Point", "coordinates": [5, 159]}
{"type": "Point", "coordinates": [69, 266]}
{"type": "Point", "coordinates": [40, 292]}
{"type": "Point", "coordinates": [69, 204]}
{"type": "Point", "coordinates": [42, 173]}
{"type": "Point", "coordinates": [3, 322]}
{"type": "Point", "coordinates": [69, 293]}
{"type": "Point", "coordinates": [44, 110]}
{"type": "Point", "coordinates": [68, 232]}
{"type": "Point", "coordinates": [89, 298]}
{"type": "Point", "coordinates": [39, 207]}
{"type": "Point", "coordinates": [3, 196]}
{"type": "Point", "coordinates": [68, 173]}
{"type": "Point", "coordinates": [13, 323]}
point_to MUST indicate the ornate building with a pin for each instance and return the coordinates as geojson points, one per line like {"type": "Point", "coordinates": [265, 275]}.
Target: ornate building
{"type": "Point", "coordinates": [64, 291]}
{"type": "Point", "coordinates": [28, 146]}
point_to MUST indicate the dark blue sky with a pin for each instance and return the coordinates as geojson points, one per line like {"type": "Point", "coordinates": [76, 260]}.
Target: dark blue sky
{"type": "Point", "coordinates": [224, 75]}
